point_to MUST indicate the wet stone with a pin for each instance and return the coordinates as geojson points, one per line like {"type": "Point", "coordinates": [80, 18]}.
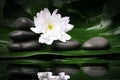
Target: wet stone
{"type": "Point", "coordinates": [24, 45]}
{"type": "Point", "coordinates": [95, 71]}
{"type": "Point", "coordinates": [68, 45]}
{"type": "Point", "coordinates": [23, 23]}
{"type": "Point", "coordinates": [96, 43]}
{"type": "Point", "coordinates": [20, 35]}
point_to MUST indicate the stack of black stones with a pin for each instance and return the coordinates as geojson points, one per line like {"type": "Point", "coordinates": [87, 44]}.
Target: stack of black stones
{"type": "Point", "coordinates": [22, 38]}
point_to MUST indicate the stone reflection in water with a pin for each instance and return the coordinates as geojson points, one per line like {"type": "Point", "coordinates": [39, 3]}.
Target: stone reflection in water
{"type": "Point", "coordinates": [95, 70]}
{"type": "Point", "coordinates": [70, 69]}
{"type": "Point", "coordinates": [22, 72]}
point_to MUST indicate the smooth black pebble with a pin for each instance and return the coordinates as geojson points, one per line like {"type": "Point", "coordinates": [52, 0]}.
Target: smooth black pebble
{"type": "Point", "coordinates": [23, 23]}
{"type": "Point", "coordinates": [20, 35]}
{"type": "Point", "coordinates": [68, 45]}
{"type": "Point", "coordinates": [24, 45]}
{"type": "Point", "coordinates": [96, 43]}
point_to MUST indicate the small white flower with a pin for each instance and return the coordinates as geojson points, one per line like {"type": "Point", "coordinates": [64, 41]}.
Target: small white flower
{"type": "Point", "coordinates": [51, 26]}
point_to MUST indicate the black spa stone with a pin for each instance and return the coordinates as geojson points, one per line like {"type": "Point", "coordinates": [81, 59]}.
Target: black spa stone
{"type": "Point", "coordinates": [96, 43]}
{"type": "Point", "coordinates": [23, 23]}
{"type": "Point", "coordinates": [20, 35]}
{"type": "Point", "coordinates": [68, 45]}
{"type": "Point", "coordinates": [24, 45]}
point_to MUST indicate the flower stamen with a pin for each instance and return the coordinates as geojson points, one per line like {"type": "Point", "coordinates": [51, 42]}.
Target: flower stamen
{"type": "Point", "coordinates": [50, 27]}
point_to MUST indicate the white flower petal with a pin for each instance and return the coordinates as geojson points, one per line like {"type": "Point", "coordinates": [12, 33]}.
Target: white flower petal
{"type": "Point", "coordinates": [69, 27]}
{"type": "Point", "coordinates": [63, 37]}
{"type": "Point", "coordinates": [35, 30]}
{"type": "Point", "coordinates": [50, 42]}
{"type": "Point", "coordinates": [66, 36]}
{"type": "Point", "coordinates": [54, 12]}
{"type": "Point", "coordinates": [38, 14]}
{"type": "Point", "coordinates": [47, 12]}
{"type": "Point", "coordinates": [45, 38]}
{"type": "Point", "coordinates": [56, 17]}
{"type": "Point", "coordinates": [65, 18]}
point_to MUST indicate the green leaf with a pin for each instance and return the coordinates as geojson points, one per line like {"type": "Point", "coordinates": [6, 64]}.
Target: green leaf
{"type": "Point", "coordinates": [111, 8]}
{"type": "Point", "coordinates": [75, 11]}
{"type": "Point", "coordinates": [34, 6]}
{"type": "Point", "coordinates": [101, 25]}
{"type": "Point", "coordinates": [3, 43]}
{"type": "Point", "coordinates": [61, 3]}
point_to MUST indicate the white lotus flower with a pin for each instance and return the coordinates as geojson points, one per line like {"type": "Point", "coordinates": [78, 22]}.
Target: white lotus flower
{"type": "Point", "coordinates": [51, 26]}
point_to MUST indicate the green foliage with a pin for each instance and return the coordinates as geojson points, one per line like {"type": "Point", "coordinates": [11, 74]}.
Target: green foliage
{"type": "Point", "coordinates": [61, 3]}
{"type": "Point", "coordinates": [32, 7]}
{"type": "Point", "coordinates": [2, 4]}
{"type": "Point", "coordinates": [84, 9]}
{"type": "Point", "coordinates": [111, 8]}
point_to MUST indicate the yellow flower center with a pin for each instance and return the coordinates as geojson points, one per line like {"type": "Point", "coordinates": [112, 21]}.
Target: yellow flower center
{"type": "Point", "coordinates": [50, 27]}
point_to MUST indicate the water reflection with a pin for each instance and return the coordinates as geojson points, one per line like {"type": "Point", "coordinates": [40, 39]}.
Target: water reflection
{"type": "Point", "coordinates": [23, 72]}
